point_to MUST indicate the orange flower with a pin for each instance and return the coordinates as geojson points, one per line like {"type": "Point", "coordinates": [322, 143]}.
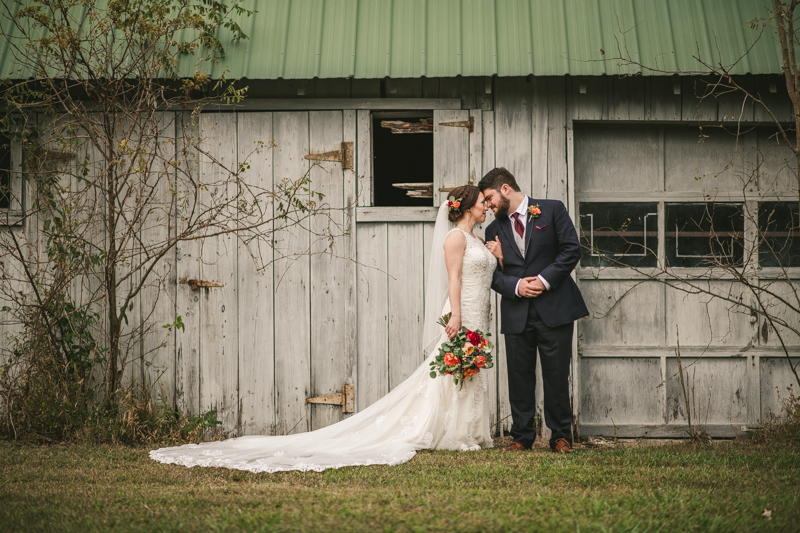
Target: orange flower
{"type": "Point", "coordinates": [450, 359]}
{"type": "Point", "coordinates": [457, 205]}
{"type": "Point", "coordinates": [535, 211]}
{"type": "Point", "coordinates": [480, 361]}
{"type": "Point", "coordinates": [468, 348]}
{"type": "Point", "coordinates": [470, 372]}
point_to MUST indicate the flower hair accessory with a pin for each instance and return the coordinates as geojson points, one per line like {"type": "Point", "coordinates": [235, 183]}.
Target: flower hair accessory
{"type": "Point", "coordinates": [453, 204]}
{"type": "Point", "coordinates": [534, 211]}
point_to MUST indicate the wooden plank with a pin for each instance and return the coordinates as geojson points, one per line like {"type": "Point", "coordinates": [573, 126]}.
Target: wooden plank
{"type": "Point", "coordinates": [557, 140]}
{"type": "Point", "coordinates": [706, 352]}
{"type": "Point", "coordinates": [665, 98]}
{"type": "Point", "coordinates": [693, 106]}
{"type": "Point", "coordinates": [734, 106]}
{"type": "Point", "coordinates": [623, 313]}
{"type": "Point", "coordinates": [705, 320]}
{"type": "Point", "coordinates": [292, 296]}
{"type": "Point", "coordinates": [332, 88]}
{"type": "Point", "coordinates": [405, 299]}
{"type": "Point", "coordinates": [786, 290]}
{"type": "Point", "coordinates": [621, 391]}
{"type": "Point", "coordinates": [628, 98]}
{"type": "Point", "coordinates": [187, 260]}
{"type": "Point", "coordinates": [539, 138]}
{"type": "Point", "coordinates": [512, 118]}
{"type": "Point", "coordinates": [710, 160]}
{"type": "Point", "coordinates": [373, 313]}
{"type": "Point", "coordinates": [671, 431]}
{"type": "Point", "coordinates": [430, 88]}
{"type": "Point", "coordinates": [158, 295]}
{"type": "Point", "coordinates": [590, 98]}
{"type": "Point", "coordinates": [219, 342]}
{"type": "Point", "coordinates": [778, 102]}
{"type": "Point", "coordinates": [777, 168]}
{"type": "Point", "coordinates": [483, 93]}
{"type": "Point", "coordinates": [396, 214]}
{"type": "Point", "coordinates": [330, 362]}
{"type": "Point", "coordinates": [321, 104]}
{"type": "Point", "coordinates": [612, 158]}
{"type": "Point", "coordinates": [404, 88]}
{"type": "Point", "coordinates": [775, 379]}
{"type": "Point", "coordinates": [366, 194]}
{"type": "Point", "coordinates": [350, 255]}
{"type": "Point", "coordinates": [451, 148]}
{"type": "Point", "coordinates": [427, 251]}
{"type": "Point", "coordinates": [716, 390]}
{"type": "Point", "coordinates": [256, 290]}
{"type": "Point", "coordinates": [365, 88]}
{"type": "Point", "coordinates": [476, 148]}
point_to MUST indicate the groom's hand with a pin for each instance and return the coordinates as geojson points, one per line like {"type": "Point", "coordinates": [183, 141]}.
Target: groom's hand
{"type": "Point", "coordinates": [530, 287]}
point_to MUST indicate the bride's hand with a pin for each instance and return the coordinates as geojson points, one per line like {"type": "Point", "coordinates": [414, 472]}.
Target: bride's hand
{"type": "Point", "coordinates": [495, 247]}
{"type": "Point", "coordinates": [453, 326]}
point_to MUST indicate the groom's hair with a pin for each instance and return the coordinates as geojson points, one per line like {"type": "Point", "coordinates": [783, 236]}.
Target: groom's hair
{"type": "Point", "coordinates": [495, 178]}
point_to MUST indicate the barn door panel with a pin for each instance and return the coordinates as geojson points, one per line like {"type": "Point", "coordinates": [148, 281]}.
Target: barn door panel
{"type": "Point", "coordinates": [292, 279]}
{"type": "Point", "coordinates": [332, 352]}
{"type": "Point", "coordinates": [256, 289]}
{"type": "Point", "coordinates": [451, 150]}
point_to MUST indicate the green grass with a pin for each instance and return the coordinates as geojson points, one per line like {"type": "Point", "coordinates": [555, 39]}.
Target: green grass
{"type": "Point", "coordinates": [724, 487]}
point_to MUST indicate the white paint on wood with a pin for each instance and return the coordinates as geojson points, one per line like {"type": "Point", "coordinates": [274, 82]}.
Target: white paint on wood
{"type": "Point", "coordinates": [777, 169]}
{"type": "Point", "coordinates": [364, 157]}
{"type": "Point", "coordinates": [556, 141]}
{"type": "Point", "coordinates": [219, 341]}
{"type": "Point", "coordinates": [512, 118]}
{"type": "Point", "coordinates": [291, 278]}
{"type": "Point", "coordinates": [256, 289]}
{"type": "Point", "coordinates": [373, 313]}
{"type": "Point", "coordinates": [330, 360]}
{"type": "Point", "coordinates": [623, 313]}
{"type": "Point", "coordinates": [776, 378]}
{"type": "Point", "coordinates": [451, 148]}
{"type": "Point", "coordinates": [716, 391]}
{"type": "Point", "coordinates": [621, 391]}
{"type": "Point", "coordinates": [476, 148]}
{"type": "Point", "coordinates": [539, 139]}
{"type": "Point", "coordinates": [405, 299]}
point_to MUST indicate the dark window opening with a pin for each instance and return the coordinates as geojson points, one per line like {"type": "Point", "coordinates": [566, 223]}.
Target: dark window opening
{"type": "Point", "coordinates": [5, 172]}
{"type": "Point", "coordinates": [619, 234]}
{"type": "Point", "coordinates": [402, 158]}
{"type": "Point", "coordinates": [779, 239]}
{"type": "Point", "coordinates": [704, 234]}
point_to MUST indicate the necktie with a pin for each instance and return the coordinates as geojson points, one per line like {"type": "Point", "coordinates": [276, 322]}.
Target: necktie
{"type": "Point", "coordinates": [518, 225]}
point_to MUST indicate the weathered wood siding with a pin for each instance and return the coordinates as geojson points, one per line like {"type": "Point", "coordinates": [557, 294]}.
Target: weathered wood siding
{"type": "Point", "coordinates": [258, 347]}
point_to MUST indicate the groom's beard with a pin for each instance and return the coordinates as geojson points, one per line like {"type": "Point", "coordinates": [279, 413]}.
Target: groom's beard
{"type": "Point", "coordinates": [502, 208]}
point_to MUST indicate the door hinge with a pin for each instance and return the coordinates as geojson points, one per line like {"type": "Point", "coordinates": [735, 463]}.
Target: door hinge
{"type": "Point", "coordinates": [194, 284]}
{"type": "Point", "coordinates": [469, 124]}
{"type": "Point", "coordinates": [344, 156]}
{"type": "Point", "coordinates": [346, 399]}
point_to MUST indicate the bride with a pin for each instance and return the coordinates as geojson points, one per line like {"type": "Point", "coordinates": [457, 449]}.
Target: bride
{"type": "Point", "coordinates": [421, 412]}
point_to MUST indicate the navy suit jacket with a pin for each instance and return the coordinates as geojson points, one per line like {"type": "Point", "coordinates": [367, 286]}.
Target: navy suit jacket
{"type": "Point", "coordinates": [552, 250]}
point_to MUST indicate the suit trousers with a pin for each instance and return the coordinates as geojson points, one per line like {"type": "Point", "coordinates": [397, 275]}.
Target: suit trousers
{"type": "Point", "coordinates": [555, 351]}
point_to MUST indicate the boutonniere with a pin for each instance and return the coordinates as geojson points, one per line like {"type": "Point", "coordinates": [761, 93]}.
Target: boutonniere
{"type": "Point", "coordinates": [534, 211]}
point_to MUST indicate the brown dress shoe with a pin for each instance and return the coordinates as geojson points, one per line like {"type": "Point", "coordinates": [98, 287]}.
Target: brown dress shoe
{"type": "Point", "coordinates": [514, 447]}
{"type": "Point", "coordinates": [563, 446]}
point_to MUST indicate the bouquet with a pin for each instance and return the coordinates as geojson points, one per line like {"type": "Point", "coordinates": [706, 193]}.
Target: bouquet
{"type": "Point", "coordinates": [462, 356]}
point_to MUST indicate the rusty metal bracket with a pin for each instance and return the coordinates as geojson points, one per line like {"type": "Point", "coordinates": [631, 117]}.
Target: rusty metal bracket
{"type": "Point", "coordinates": [346, 399]}
{"type": "Point", "coordinates": [343, 156]}
{"type": "Point", "coordinates": [194, 284]}
{"type": "Point", "coordinates": [469, 124]}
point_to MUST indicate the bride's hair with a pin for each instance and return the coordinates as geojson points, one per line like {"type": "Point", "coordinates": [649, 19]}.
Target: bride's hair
{"type": "Point", "coordinates": [468, 195]}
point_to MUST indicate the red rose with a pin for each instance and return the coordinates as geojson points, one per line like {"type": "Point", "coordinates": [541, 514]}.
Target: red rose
{"type": "Point", "coordinates": [450, 359]}
{"type": "Point", "coordinates": [474, 338]}
{"type": "Point", "coordinates": [480, 361]}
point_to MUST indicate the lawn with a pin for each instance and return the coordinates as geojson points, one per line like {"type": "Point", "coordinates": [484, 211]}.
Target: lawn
{"type": "Point", "coordinates": [722, 487]}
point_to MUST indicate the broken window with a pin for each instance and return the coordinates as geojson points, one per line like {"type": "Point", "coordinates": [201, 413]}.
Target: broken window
{"type": "Point", "coordinates": [402, 151]}
{"type": "Point", "coordinates": [778, 243]}
{"type": "Point", "coordinates": [619, 234]}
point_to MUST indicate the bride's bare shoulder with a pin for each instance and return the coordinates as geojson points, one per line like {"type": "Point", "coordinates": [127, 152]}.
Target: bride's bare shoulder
{"type": "Point", "coordinates": [456, 240]}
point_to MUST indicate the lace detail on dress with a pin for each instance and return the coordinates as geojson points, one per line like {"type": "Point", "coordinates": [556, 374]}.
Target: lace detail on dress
{"type": "Point", "coordinates": [417, 414]}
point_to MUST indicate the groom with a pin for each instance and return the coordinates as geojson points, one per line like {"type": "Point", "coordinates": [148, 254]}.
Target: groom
{"type": "Point", "coordinates": [540, 303]}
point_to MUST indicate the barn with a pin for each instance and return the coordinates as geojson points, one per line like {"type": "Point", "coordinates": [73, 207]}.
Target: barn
{"type": "Point", "coordinates": [531, 85]}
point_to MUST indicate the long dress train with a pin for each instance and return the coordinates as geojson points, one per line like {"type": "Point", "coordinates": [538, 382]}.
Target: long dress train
{"type": "Point", "coordinates": [420, 413]}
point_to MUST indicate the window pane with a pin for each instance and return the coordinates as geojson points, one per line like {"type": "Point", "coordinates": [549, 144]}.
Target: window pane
{"type": "Point", "coordinates": [5, 172]}
{"type": "Point", "coordinates": [704, 234]}
{"type": "Point", "coordinates": [779, 245]}
{"type": "Point", "coordinates": [619, 234]}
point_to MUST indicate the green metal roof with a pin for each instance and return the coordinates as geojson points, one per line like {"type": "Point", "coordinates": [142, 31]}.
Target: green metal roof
{"type": "Point", "coordinates": [302, 39]}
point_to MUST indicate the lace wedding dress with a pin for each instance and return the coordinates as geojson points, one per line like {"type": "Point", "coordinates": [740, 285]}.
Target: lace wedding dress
{"type": "Point", "coordinates": [420, 413]}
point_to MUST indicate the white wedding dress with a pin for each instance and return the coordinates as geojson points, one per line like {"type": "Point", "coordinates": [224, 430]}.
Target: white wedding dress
{"type": "Point", "coordinates": [420, 413]}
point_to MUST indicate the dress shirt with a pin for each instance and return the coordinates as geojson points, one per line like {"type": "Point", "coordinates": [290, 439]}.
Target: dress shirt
{"type": "Point", "coordinates": [522, 209]}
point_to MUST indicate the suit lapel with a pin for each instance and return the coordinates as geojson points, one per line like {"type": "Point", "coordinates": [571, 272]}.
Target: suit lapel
{"type": "Point", "coordinates": [529, 228]}
{"type": "Point", "coordinates": [505, 225]}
